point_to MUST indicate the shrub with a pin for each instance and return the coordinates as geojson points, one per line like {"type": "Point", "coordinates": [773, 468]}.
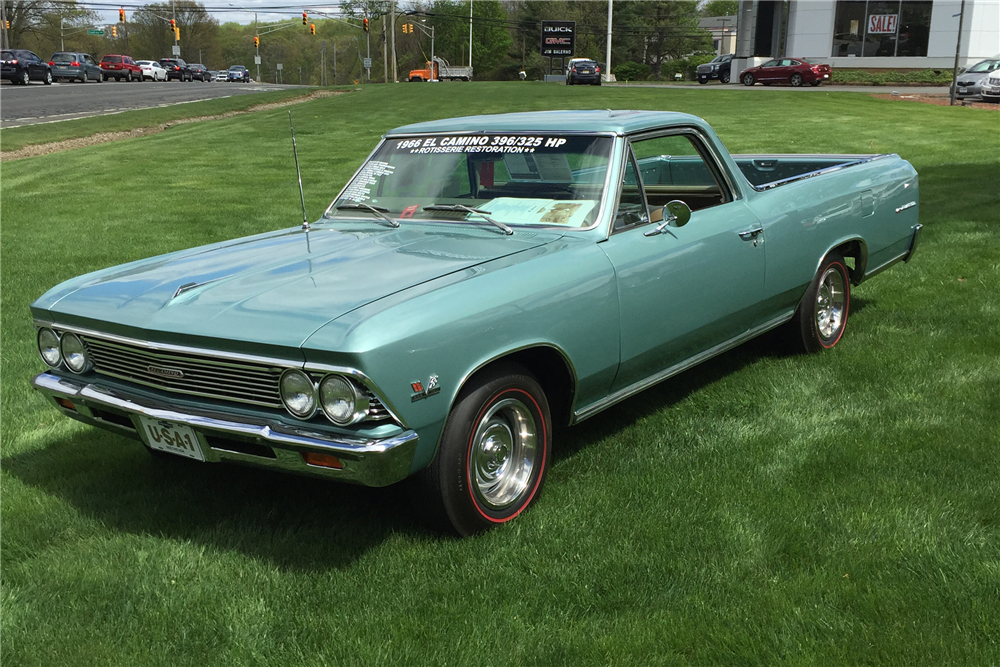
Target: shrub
{"type": "Point", "coordinates": [630, 71]}
{"type": "Point", "coordinates": [860, 76]}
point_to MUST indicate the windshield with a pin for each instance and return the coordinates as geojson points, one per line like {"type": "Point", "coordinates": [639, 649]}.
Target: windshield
{"type": "Point", "coordinates": [985, 66]}
{"type": "Point", "coordinates": [514, 178]}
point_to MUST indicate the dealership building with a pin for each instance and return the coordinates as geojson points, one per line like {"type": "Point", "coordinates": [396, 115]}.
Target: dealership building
{"type": "Point", "coordinates": [869, 34]}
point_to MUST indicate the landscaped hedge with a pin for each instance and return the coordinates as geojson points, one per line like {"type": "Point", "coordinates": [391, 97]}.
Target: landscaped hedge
{"type": "Point", "coordinates": [866, 77]}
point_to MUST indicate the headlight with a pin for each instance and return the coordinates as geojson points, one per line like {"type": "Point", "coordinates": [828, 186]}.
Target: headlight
{"type": "Point", "coordinates": [74, 353]}
{"type": "Point", "coordinates": [48, 347]}
{"type": "Point", "coordinates": [341, 401]}
{"type": "Point", "coordinates": [298, 393]}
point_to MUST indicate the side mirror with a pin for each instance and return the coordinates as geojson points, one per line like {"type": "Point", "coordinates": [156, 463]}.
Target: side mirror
{"type": "Point", "coordinates": [675, 214]}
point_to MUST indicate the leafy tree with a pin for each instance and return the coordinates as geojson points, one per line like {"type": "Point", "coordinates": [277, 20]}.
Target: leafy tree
{"type": "Point", "coordinates": [721, 8]}
{"type": "Point", "coordinates": [38, 25]}
{"type": "Point", "coordinates": [150, 37]}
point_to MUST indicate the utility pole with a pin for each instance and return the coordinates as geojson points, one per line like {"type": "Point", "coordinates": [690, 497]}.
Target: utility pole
{"type": "Point", "coordinates": [368, 40]}
{"type": "Point", "coordinates": [958, 51]}
{"type": "Point", "coordinates": [62, 45]}
{"type": "Point", "coordinates": [335, 63]}
{"type": "Point", "coordinates": [4, 39]}
{"type": "Point", "coordinates": [392, 29]}
{"type": "Point", "coordinates": [256, 33]}
{"type": "Point", "coordinates": [607, 56]}
{"type": "Point", "coordinates": [385, 54]}
{"type": "Point", "coordinates": [470, 33]}
{"type": "Point", "coordinates": [174, 23]}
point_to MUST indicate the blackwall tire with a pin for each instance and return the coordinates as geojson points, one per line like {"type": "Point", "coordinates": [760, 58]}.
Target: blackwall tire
{"type": "Point", "coordinates": [748, 80]}
{"type": "Point", "coordinates": [821, 317]}
{"type": "Point", "coordinates": [84, 78]}
{"type": "Point", "coordinates": [48, 77]}
{"type": "Point", "coordinates": [724, 77]}
{"type": "Point", "coordinates": [25, 78]}
{"type": "Point", "coordinates": [494, 452]}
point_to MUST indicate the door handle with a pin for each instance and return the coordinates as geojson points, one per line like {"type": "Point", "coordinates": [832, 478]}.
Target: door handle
{"type": "Point", "coordinates": [749, 234]}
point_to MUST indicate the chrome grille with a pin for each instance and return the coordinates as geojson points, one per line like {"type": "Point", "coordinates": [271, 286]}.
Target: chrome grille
{"type": "Point", "coordinates": [198, 375]}
{"type": "Point", "coordinates": [188, 374]}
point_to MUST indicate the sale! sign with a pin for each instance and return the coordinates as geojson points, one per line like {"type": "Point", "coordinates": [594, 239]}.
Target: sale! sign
{"type": "Point", "coordinates": [882, 24]}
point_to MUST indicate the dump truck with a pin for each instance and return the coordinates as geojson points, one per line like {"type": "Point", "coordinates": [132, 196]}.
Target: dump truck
{"type": "Point", "coordinates": [438, 69]}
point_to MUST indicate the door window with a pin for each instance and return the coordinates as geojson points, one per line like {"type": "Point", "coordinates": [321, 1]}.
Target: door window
{"type": "Point", "coordinates": [631, 205]}
{"type": "Point", "coordinates": [675, 167]}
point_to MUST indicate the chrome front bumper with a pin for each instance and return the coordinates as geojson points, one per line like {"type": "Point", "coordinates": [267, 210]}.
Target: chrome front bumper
{"type": "Point", "coordinates": [378, 462]}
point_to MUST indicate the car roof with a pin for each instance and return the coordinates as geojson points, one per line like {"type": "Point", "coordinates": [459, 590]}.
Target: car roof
{"type": "Point", "coordinates": [606, 120]}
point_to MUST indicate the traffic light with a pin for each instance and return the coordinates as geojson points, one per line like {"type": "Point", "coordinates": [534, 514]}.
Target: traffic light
{"type": "Point", "coordinates": [406, 28]}
{"type": "Point", "coordinates": [173, 25]}
{"type": "Point", "coordinates": [256, 41]}
{"type": "Point", "coordinates": [312, 28]}
{"type": "Point", "coordinates": [114, 31]}
{"type": "Point", "coordinates": [304, 18]}
{"type": "Point", "coordinates": [121, 15]}
{"type": "Point", "coordinates": [364, 24]}
{"type": "Point", "coordinates": [177, 34]}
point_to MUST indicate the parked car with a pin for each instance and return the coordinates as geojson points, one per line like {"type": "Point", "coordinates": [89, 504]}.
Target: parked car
{"type": "Point", "coordinates": [717, 68]}
{"type": "Point", "coordinates": [119, 67]}
{"type": "Point", "coordinates": [177, 69]}
{"type": "Point", "coordinates": [221, 75]}
{"type": "Point", "coordinates": [152, 70]}
{"type": "Point", "coordinates": [76, 66]}
{"type": "Point", "coordinates": [793, 71]}
{"type": "Point", "coordinates": [478, 281]}
{"type": "Point", "coordinates": [22, 66]}
{"type": "Point", "coordinates": [200, 72]}
{"type": "Point", "coordinates": [971, 80]}
{"type": "Point", "coordinates": [238, 73]}
{"type": "Point", "coordinates": [583, 71]}
{"type": "Point", "coordinates": [990, 88]}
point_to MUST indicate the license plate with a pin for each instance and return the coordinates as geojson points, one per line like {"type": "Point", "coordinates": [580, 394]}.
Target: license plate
{"type": "Point", "coordinates": [167, 436]}
{"type": "Point", "coordinates": [585, 71]}
{"type": "Point", "coordinates": [963, 90]}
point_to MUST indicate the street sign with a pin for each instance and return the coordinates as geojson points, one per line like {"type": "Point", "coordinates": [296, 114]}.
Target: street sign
{"type": "Point", "coordinates": [280, 67]}
{"type": "Point", "coordinates": [368, 63]}
{"type": "Point", "coordinates": [95, 32]}
{"type": "Point", "coordinates": [176, 50]}
{"type": "Point", "coordinates": [256, 60]}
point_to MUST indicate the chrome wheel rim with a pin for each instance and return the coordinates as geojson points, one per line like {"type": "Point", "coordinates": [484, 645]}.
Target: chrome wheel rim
{"type": "Point", "coordinates": [503, 453]}
{"type": "Point", "coordinates": [831, 301]}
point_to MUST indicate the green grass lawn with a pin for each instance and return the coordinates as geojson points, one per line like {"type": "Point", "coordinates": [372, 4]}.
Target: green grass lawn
{"type": "Point", "coordinates": [761, 509]}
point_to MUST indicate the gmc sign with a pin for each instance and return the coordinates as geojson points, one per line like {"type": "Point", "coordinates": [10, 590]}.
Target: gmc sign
{"type": "Point", "coordinates": [558, 38]}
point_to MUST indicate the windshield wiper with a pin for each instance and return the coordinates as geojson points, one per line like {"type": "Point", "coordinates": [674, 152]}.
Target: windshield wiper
{"type": "Point", "coordinates": [377, 210]}
{"type": "Point", "coordinates": [468, 209]}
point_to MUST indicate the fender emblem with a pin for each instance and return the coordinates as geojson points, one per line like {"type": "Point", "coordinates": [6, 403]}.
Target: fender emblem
{"type": "Point", "coordinates": [171, 373]}
{"type": "Point", "coordinates": [421, 392]}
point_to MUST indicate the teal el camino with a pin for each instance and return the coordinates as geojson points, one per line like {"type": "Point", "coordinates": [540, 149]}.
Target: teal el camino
{"type": "Point", "coordinates": [478, 281]}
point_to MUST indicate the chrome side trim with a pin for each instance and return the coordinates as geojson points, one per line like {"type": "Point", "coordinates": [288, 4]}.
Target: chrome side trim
{"type": "Point", "coordinates": [366, 461]}
{"type": "Point", "coordinates": [879, 269]}
{"type": "Point", "coordinates": [641, 385]}
{"type": "Point", "coordinates": [811, 174]}
{"type": "Point", "coordinates": [906, 206]}
{"type": "Point", "coordinates": [913, 242]}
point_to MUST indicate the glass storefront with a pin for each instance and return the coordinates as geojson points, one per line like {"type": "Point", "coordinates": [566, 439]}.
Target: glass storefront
{"type": "Point", "coordinates": [870, 28]}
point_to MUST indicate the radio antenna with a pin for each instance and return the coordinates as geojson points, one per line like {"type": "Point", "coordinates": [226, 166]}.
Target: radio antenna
{"type": "Point", "coordinates": [298, 172]}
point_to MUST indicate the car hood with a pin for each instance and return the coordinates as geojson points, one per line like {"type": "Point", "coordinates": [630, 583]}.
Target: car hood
{"type": "Point", "coordinates": [275, 289]}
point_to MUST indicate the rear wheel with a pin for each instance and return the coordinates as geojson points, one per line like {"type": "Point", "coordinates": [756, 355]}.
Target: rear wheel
{"type": "Point", "coordinates": [494, 451]}
{"type": "Point", "coordinates": [48, 77]}
{"type": "Point", "coordinates": [814, 83]}
{"type": "Point", "coordinates": [25, 78]}
{"type": "Point", "coordinates": [84, 79]}
{"type": "Point", "coordinates": [796, 80]}
{"type": "Point", "coordinates": [748, 80]}
{"type": "Point", "coordinates": [822, 313]}
{"type": "Point", "coordinates": [128, 77]}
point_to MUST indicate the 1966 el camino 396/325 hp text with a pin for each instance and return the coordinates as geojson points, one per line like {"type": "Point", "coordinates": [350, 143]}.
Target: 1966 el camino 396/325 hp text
{"type": "Point", "coordinates": [476, 282]}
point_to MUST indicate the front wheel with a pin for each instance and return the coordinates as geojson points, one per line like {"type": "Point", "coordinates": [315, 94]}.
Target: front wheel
{"type": "Point", "coordinates": [821, 317]}
{"type": "Point", "coordinates": [796, 80]}
{"type": "Point", "coordinates": [748, 79]}
{"type": "Point", "coordinates": [702, 80]}
{"type": "Point", "coordinates": [724, 77]}
{"type": "Point", "coordinates": [494, 452]}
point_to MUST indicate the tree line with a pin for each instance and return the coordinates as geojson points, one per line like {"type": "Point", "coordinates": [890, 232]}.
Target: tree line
{"type": "Point", "coordinates": [649, 38]}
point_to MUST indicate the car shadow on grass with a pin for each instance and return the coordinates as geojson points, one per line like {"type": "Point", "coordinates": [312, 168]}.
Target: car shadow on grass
{"type": "Point", "coordinates": [774, 344]}
{"type": "Point", "coordinates": [295, 522]}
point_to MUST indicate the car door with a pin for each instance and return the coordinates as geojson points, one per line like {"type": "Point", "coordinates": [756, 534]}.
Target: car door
{"type": "Point", "coordinates": [689, 289]}
{"type": "Point", "coordinates": [767, 71]}
{"type": "Point", "coordinates": [36, 68]}
{"type": "Point", "coordinates": [93, 67]}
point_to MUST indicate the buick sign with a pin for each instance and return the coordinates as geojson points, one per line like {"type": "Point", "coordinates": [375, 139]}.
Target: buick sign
{"type": "Point", "coordinates": [558, 38]}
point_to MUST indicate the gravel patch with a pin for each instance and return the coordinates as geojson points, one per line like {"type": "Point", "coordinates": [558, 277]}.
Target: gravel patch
{"type": "Point", "coordinates": [105, 137]}
{"type": "Point", "coordinates": [940, 100]}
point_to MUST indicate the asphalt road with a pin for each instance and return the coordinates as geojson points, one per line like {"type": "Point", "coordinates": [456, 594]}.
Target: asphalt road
{"type": "Point", "coordinates": [38, 103]}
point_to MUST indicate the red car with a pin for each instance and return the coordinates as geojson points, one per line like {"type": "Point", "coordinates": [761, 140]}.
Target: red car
{"type": "Point", "coordinates": [120, 67]}
{"type": "Point", "coordinates": [793, 71]}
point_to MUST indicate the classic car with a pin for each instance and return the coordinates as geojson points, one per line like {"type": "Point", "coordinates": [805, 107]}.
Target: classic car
{"type": "Point", "coordinates": [793, 71]}
{"type": "Point", "coordinates": [478, 281]}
